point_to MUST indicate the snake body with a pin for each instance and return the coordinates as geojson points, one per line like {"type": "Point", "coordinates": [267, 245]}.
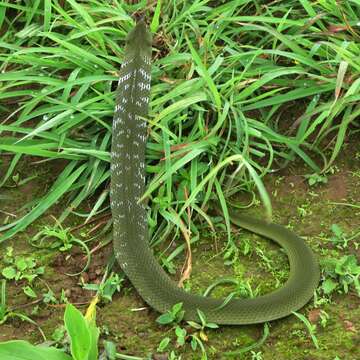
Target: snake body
{"type": "Point", "coordinates": [130, 234]}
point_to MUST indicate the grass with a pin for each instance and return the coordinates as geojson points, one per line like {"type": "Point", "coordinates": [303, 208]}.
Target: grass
{"type": "Point", "coordinates": [239, 89]}
{"type": "Point", "coordinates": [223, 90]}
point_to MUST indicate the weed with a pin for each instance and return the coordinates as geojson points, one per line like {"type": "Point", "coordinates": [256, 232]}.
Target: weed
{"type": "Point", "coordinates": [339, 238]}
{"type": "Point", "coordinates": [49, 297]}
{"type": "Point", "coordinates": [315, 179]}
{"type": "Point", "coordinates": [174, 315]}
{"type": "Point", "coordinates": [107, 287]}
{"type": "Point", "coordinates": [56, 237]}
{"type": "Point", "coordinates": [21, 268]}
{"type": "Point", "coordinates": [324, 318]}
{"type": "Point", "coordinates": [310, 327]}
{"type": "Point", "coordinates": [341, 274]}
{"type": "Point", "coordinates": [304, 210]}
{"type": "Point", "coordinates": [256, 355]}
{"type": "Point", "coordinates": [196, 339]}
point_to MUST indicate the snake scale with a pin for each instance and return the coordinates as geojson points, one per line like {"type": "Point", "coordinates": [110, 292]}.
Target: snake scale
{"type": "Point", "coordinates": [130, 234]}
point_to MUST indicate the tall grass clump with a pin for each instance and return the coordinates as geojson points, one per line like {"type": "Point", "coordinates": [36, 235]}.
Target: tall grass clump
{"type": "Point", "coordinates": [239, 88]}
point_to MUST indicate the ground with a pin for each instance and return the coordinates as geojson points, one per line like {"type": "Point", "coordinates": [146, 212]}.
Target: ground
{"type": "Point", "coordinates": [309, 210]}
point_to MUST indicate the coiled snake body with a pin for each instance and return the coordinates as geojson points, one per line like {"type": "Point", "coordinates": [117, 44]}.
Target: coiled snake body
{"type": "Point", "coordinates": [130, 235]}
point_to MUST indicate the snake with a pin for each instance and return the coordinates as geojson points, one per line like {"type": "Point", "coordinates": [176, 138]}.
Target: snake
{"type": "Point", "coordinates": [129, 215]}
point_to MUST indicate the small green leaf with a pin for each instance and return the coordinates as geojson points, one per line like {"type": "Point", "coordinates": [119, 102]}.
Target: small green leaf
{"type": "Point", "coordinates": [176, 308]}
{"type": "Point", "coordinates": [21, 264]}
{"type": "Point", "coordinates": [212, 325]}
{"type": "Point", "coordinates": [163, 344]}
{"type": "Point", "coordinates": [181, 334]}
{"type": "Point", "coordinates": [22, 350]}
{"type": "Point", "coordinates": [16, 178]}
{"type": "Point", "coordinates": [110, 349]}
{"type": "Point", "coordinates": [180, 315]}
{"type": "Point", "coordinates": [193, 343]}
{"type": "Point", "coordinates": [29, 292]}
{"type": "Point", "coordinates": [28, 277]}
{"type": "Point", "coordinates": [336, 229]}
{"type": "Point", "coordinates": [165, 319]}
{"type": "Point", "coordinates": [180, 331]}
{"type": "Point", "coordinates": [201, 317]}
{"type": "Point", "coordinates": [9, 272]}
{"type": "Point", "coordinates": [30, 263]}
{"type": "Point", "coordinates": [8, 258]}
{"type": "Point", "coordinates": [58, 333]}
{"type": "Point", "coordinates": [328, 286]}
{"type": "Point", "coordinates": [40, 270]}
{"type": "Point", "coordinates": [194, 325]}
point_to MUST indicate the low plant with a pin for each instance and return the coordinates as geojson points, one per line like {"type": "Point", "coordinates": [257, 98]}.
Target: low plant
{"type": "Point", "coordinates": [20, 267]}
{"type": "Point", "coordinates": [58, 237]}
{"type": "Point", "coordinates": [81, 341]}
{"type": "Point", "coordinates": [182, 335]}
{"type": "Point", "coordinates": [256, 355]}
{"type": "Point", "coordinates": [310, 327]}
{"type": "Point", "coordinates": [315, 179]}
{"type": "Point", "coordinates": [339, 237]}
{"type": "Point", "coordinates": [341, 274]}
{"type": "Point", "coordinates": [199, 337]}
{"type": "Point", "coordinates": [77, 339]}
{"type": "Point", "coordinates": [174, 315]}
{"type": "Point", "coordinates": [107, 287]}
{"type": "Point", "coordinates": [82, 332]}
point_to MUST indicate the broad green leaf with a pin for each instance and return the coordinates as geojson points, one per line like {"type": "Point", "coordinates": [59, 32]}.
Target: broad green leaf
{"type": "Point", "coordinates": [22, 350]}
{"type": "Point", "coordinates": [79, 333]}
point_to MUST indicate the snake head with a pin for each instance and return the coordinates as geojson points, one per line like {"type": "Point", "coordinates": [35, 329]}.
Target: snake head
{"type": "Point", "coordinates": [139, 39]}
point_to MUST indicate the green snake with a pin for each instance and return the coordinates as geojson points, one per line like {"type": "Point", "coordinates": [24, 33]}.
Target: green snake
{"type": "Point", "coordinates": [130, 233]}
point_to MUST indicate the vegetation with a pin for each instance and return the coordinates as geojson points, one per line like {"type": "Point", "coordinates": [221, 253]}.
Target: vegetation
{"type": "Point", "coordinates": [240, 89]}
